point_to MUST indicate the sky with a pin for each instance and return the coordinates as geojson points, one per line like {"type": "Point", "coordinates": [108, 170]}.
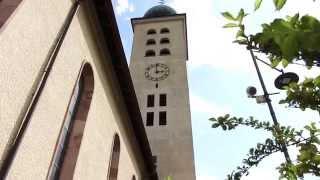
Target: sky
{"type": "Point", "coordinates": [219, 72]}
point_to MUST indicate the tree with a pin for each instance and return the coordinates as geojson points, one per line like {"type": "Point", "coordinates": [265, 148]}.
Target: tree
{"type": "Point", "coordinates": [286, 41]}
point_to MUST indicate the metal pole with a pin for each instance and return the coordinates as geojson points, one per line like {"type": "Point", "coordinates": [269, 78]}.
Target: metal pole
{"type": "Point", "coordinates": [273, 115]}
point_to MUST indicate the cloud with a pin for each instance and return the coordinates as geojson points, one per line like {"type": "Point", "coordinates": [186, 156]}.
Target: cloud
{"type": "Point", "coordinates": [309, 7]}
{"type": "Point", "coordinates": [206, 177]}
{"type": "Point", "coordinates": [199, 104]}
{"type": "Point", "coordinates": [265, 173]}
{"type": "Point", "coordinates": [210, 44]}
{"type": "Point", "coordinates": [123, 6]}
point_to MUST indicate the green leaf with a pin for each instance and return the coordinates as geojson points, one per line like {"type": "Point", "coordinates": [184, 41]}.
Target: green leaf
{"type": "Point", "coordinates": [224, 127]}
{"type": "Point", "coordinates": [307, 81]}
{"type": "Point", "coordinates": [230, 25]}
{"type": "Point", "coordinates": [215, 125]}
{"type": "Point", "coordinates": [240, 33]}
{"type": "Point", "coordinates": [279, 4]}
{"type": "Point", "coordinates": [275, 61]}
{"type": "Point", "coordinates": [309, 23]}
{"type": "Point", "coordinates": [282, 101]}
{"type": "Point", "coordinates": [317, 158]}
{"type": "Point", "coordinates": [265, 26]}
{"type": "Point", "coordinates": [226, 116]}
{"type": "Point", "coordinates": [228, 16]}
{"type": "Point", "coordinates": [241, 15]}
{"type": "Point", "coordinates": [257, 4]}
{"type": "Point", "coordinates": [307, 127]}
{"type": "Point", "coordinates": [293, 20]}
{"type": "Point", "coordinates": [289, 47]}
{"type": "Point", "coordinates": [241, 41]}
{"type": "Point", "coordinates": [316, 81]}
{"type": "Point", "coordinates": [284, 62]}
{"type": "Point", "coordinates": [293, 85]}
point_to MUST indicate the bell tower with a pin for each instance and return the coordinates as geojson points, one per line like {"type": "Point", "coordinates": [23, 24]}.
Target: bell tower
{"type": "Point", "coordinates": [158, 69]}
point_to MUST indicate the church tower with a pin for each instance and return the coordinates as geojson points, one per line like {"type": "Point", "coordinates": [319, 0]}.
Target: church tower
{"type": "Point", "coordinates": [158, 69]}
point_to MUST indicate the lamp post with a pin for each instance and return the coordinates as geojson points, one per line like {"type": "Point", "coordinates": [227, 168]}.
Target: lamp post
{"type": "Point", "coordinates": [272, 113]}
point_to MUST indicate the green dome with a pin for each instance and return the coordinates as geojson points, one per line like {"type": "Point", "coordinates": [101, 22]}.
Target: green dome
{"type": "Point", "coordinates": [159, 11]}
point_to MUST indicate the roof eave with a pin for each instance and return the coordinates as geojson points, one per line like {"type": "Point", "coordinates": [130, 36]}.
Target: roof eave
{"type": "Point", "coordinates": [107, 22]}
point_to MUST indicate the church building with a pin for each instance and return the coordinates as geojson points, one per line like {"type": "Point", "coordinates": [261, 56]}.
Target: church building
{"type": "Point", "coordinates": [69, 107]}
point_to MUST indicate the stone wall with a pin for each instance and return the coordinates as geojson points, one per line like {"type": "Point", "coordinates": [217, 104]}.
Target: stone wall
{"type": "Point", "coordinates": [25, 42]}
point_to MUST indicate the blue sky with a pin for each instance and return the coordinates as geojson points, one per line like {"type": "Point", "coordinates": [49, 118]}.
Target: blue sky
{"type": "Point", "coordinates": [219, 73]}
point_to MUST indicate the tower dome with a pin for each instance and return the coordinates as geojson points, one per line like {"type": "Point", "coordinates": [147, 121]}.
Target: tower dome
{"type": "Point", "coordinates": [159, 11]}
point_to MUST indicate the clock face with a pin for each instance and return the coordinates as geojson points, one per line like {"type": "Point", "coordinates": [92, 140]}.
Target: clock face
{"type": "Point", "coordinates": [157, 72]}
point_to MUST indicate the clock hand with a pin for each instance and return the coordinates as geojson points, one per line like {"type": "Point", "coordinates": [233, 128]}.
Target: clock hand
{"type": "Point", "coordinates": [157, 69]}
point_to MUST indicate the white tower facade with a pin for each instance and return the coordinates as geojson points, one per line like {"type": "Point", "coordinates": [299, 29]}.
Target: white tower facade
{"type": "Point", "coordinates": [158, 70]}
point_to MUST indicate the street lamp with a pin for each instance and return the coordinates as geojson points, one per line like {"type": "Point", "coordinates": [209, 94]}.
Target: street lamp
{"type": "Point", "coordinates": [272, 113]}
{"type": "Point", "coordinates": [285, 79]}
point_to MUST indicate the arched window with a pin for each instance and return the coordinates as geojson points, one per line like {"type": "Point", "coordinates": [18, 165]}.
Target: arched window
{"type": "Point", "coordinates": [133, 177]}
{"type": "Point", "coordinates": [164, 52]}
{"type": "Point", "coordinates": [114, 161]}
{"type": "Point", "coordinates": [68, 145]}
{"type": "Point", "coordinates": [7, 7]}
{"type": "Point", "coordinates": [151, 31]}
{"type": "Point", "coordinates": [150, 53]}
{"type": "Point", "coordinates": [151, 42]}
{"type": "Point", "coordinates": [164, 41]}
{"type": "Point", "coordinates": [164, 30]}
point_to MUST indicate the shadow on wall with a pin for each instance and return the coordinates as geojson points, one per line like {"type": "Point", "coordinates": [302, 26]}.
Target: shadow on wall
{"type": "Point", "coordinates": [7, 7]}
